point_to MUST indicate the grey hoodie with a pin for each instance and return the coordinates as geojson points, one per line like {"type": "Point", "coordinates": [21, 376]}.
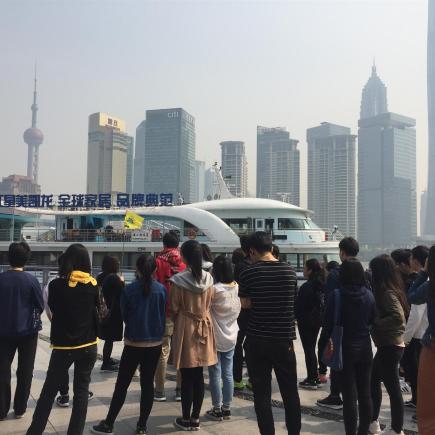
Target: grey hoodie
{"type": "Point", "coordinates": [187, 281]}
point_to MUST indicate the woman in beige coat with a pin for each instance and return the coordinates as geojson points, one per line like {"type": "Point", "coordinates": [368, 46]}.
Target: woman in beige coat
{"type": "Point", "coordinates": [193, 342]}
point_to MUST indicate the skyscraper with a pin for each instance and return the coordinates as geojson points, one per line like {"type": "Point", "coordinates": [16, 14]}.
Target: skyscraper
{"type": "Point", "coordinates": [170, 153]}
{"type": "Point", "coordinates": [387, 181]}
{"type": "Point", "coordinates": [139, 159]}
{"type": "Point", "coordinates": [108, 151]}
{"type": "Point", "coordinates": [374, 96]}
{"type": "Point", "coordinates": [332, 177]}
{"type": "Point", "coordinates": [429, 226]}
{"type": "Point", "coordinates": [235, 167]}
{"type": "Point", "coordinates": [33, 137]}
{"type": "Point", "coordinates": [278, 165]}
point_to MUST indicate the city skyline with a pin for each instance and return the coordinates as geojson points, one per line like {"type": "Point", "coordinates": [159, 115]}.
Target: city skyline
{"type": "Point", "coordinates": [325, 85]}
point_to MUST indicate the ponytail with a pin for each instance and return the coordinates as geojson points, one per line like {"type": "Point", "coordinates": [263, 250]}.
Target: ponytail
{"type": "Point", "coordinates": [145, 266]}
{"type": "Point", "coordinates": [192, 253]}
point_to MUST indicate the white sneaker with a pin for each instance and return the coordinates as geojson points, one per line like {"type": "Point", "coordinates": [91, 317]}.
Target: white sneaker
{"type": "Point", "coordinates": [375, 428]}
{"type": "Point", "coordinates": [392, 432]}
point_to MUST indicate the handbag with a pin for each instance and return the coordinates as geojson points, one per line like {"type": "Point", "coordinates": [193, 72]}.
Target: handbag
{"type": "Point", "coordinates": [333, 353]}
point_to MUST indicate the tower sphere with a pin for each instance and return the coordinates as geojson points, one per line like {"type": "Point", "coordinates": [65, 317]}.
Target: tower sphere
{"type": "Point", "coordinates": [33, 136]}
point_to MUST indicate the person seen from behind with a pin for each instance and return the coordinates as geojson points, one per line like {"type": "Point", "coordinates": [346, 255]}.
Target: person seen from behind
{"type": "Point", "coordinates": [63, 399]}
{"type": "Point", "coordinates": [242, 321]}
{"type": "Point", "coordinates": [356, 313]}
{"type": "Point", "coordinates": [225, 310]}
{"type": "Point", "coordinates": [207, 258]}
{"type": "Point", "coordinates": [111, 285]}
{"type": "Point", "coordinates": [309, 314]}
{"type": "Point", "coordinates": [143, 307]}
{"type": "Point", "coordinates": [387, 334]}
{"type": "Point", "coordinates": [348, 248]}
{"type": "Point", "coordinates": [194, 345]}
{"type": "Point", "coordinates": [168, 264]}
{"type": "Point", "coordinates": [20, 312]}
{"type": "Point", "coordinates": [423, 292]}
{"type": "Point", "coordinates": [72, 299]}
{"type": "Point", "coordinates": [268, 289]}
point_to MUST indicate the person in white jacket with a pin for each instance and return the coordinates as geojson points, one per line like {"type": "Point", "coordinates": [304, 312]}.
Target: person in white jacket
{"type": "Point", "coordinates": [225, 310]}
{"type": "Point", "coordinates": [415, 328]}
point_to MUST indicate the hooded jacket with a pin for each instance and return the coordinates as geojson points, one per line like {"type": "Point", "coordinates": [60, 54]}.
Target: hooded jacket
{"type": "Point", "coordinates": [193, 341]}
{"type": "Point", "coordinates": [168, 264]}
{"type": "Point", "coordinates": [357, 314]}
{"type": "Point", "coordinates": [225, 310]}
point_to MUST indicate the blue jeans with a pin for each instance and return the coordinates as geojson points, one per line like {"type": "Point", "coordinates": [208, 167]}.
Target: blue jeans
{"type": "Point", "coordinates": [222, 370]}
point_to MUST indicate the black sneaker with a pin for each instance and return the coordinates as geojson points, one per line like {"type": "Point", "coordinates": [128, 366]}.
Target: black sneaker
{"type": "Point", "coordinates": [90, 395]}
{"type": "Point", "coordinates": [308, 384]}
{"type": "Point", "coordinates": [62, 401]}
{"type": "Point", "coordinates": [102, 427]}
{"type": "Point", "coordinates": [194, 425]}
{"type": "Point", "coordinates": [226, 413]}
{"type": "Point", "coordinates": [114, 361]}
{"type": "Point", "coordinates": [331, 402]}
{"type": "Point", "coordinates": [410, 404]}
{"type": "Point", "coordinates": [182, 424]}
{"type": "Point", "coordinates": [109, 367]}
{"type": "Point", "coordinates": [214, 414]}
{"type": "Point", "coordinates": [141, 430]}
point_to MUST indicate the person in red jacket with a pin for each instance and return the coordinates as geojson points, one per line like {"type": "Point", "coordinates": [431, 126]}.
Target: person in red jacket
{"type": "Point", "coordinates": [168, 263]}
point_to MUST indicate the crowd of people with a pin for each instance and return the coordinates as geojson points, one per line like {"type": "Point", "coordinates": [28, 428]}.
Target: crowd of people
{"type": "Point", "coordinates": [218, 313]}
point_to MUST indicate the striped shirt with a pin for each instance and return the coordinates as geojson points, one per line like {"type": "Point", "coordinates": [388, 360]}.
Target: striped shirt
{"type": "Point", "coordinates": [271, 287]}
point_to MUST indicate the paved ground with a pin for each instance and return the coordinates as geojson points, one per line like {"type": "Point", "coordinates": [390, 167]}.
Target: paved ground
{"type": "Point", "coordinates": [315, 420]}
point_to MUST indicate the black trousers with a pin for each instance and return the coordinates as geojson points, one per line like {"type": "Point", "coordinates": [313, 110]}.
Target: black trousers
{"type": "Point", "coordinates": [410, 361]}
{"type": "Point", "coordinates": [132, 357]}
{"type": "Point", "coordinates": [192, 392]}
{"type": "Point", "coordinates": [355, 380]}
{"type": "Point", "coordinates": [60, 361]}
{"type": "Point", "coordinates": [263, 356]}
{"type": "Point", "coordinates": [242, 321]}
{"type": "Point", "coordinates": [26, 347]}
{"type": "Point", "coordinates": [107, 351]}
{"type": "Point", "coordinates": [308, 335]}
{"type": "Point", "coordinates": [386, 370]}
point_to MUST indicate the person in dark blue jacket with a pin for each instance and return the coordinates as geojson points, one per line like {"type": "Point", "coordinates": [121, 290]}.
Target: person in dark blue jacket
{"type": "Point", "coordinates": [356, 316]}
{"type": "Point", "coordinates": [143, 307]}
{"type": "Point", "coordinates": [20, 313]}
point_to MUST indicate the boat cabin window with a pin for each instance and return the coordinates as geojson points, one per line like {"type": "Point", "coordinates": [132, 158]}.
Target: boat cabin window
{"type": "Point", "coordinates": [292, 224]}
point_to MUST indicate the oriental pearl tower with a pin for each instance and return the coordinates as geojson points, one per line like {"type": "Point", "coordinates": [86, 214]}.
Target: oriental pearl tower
{"type": "Point", "coordinates": [33, 137]}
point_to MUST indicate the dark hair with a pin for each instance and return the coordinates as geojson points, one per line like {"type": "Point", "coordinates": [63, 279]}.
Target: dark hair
{"type": "Point", "coordinates": [349, 246]}
{"type": "Point", "coordinates": [352, 273]}
{"type": "Point", "coordinates": [171, 239]}
{"type": "Point", "coordinates": [275, 251]}
{"type": "Point", "coordinates": [332, 265]}
{"type": "Point", "coordinates": [18, 254]}
{"type": "Point", "coordinates": [110, 265]}
{"type": "Point", "coordinates": [386, 277]}
{"type": "Point", "coordinates": [317, 273]}
{"type": "Point", "coordinates": [261, 242]}
{"type": "Point", "coordinates": [206, 253]}
{"type": "Point", "coordinates": [145, 266]}
{"type": "Point", "coordinates": [420, 253]}
{"type": "Point", "coordinates": [192, 252]}
{"type": "Point", "coordinates": [238, 255]}
{"type": "Point", "coordinates": [431, 272]}
{"type": "Point", "coordinates": [76, 257]}
{"type": "Point", "coordinates": [223, 269]}
{"type": "Point", "coordinates": [245, 244]}
{"type": "Point", "coordinates": [401, 256]}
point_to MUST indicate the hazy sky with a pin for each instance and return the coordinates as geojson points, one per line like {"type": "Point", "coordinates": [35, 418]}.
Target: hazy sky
{"type": "Point", "coordinates": [232, 64]}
